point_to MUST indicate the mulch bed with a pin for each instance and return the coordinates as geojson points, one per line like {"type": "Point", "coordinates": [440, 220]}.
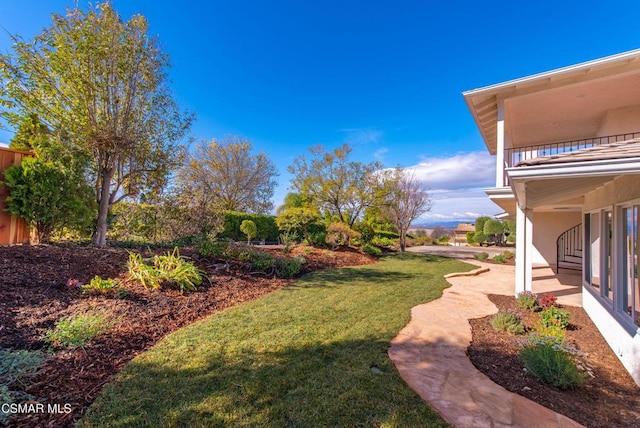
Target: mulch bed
{"type": "Point", "coordinates": [610, 399]}
{"type": "Point", "coordinates": [34, 294]}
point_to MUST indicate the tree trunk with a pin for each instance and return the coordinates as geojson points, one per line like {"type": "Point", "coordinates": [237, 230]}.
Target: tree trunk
{"type": "Point", "coordinates": [403, 244]}
{"type": "Point", "coordinates": [100, 235]}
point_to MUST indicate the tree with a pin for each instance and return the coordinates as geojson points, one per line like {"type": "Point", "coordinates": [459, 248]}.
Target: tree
{"type": "Point", "coordinates": [495, 230]}
{"type": "Point", "coordinates": [334, 184]}
{"type": "Point", "coordinates": [46, 196]}
{"type": "Point", "coordinates": [406, 200]}
{"type": "Point", "coordinates": [292, 200]}
{"type": "Point", "coordinates": [31, 134]}
{"type": "Point", "coordinates": [249, 228]}
{"type": "Point", "coordinates": [234, 178]}
{"type": "Point", "coordinates": [297, 218]}
{"type": "Point", "coordinates": [100, 85]}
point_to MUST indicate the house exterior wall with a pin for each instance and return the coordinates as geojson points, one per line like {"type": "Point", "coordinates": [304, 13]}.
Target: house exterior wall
{"type": "Point", "coordinates": [622, 189]}
{"type": "Point", "coordinates": [620, 121]}
{"type": "Point", "coordinates": [625, 345]}
{"type": "Point", "coordinates": [547, 226]}
{"type": "Point", "coordinates": [623, 341]}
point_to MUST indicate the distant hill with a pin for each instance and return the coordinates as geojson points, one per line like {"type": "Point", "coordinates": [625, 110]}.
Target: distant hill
{"type": "Point", "coordinates": [451, 224]}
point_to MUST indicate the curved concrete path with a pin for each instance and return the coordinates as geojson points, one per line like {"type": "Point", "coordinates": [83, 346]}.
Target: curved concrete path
{"type": "Point", "coordinates": [430, 354]}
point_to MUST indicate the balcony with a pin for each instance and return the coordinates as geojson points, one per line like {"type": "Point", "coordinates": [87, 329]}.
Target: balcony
{"type": "Point", "coordinates": [512, 156]}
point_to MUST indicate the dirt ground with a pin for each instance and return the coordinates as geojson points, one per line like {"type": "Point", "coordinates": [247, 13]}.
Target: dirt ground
{"type": "Point", "coordinates": [34, 294]}
{"type": "Point", "coordinates": [609, 399]}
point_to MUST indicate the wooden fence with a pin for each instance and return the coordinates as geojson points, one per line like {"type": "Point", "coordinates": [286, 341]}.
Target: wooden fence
{"type": "Point", "coordinates": [13, 230]}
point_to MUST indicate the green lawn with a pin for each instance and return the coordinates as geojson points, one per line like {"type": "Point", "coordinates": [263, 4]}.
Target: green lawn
{"type": "Point", "coordinates": [301, 356]}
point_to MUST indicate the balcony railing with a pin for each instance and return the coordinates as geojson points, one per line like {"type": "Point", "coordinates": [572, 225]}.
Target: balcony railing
{"type": "Point", "coordinates": [514, 155]}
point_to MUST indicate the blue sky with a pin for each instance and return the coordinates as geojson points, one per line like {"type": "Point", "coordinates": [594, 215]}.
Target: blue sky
{"type": "Point", "coordinates": [384, 76]}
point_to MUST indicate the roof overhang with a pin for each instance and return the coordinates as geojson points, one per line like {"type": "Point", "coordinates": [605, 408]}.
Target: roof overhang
{"type": "Point", "coordinates": [543, 185]}
{"type": "Point", "coordinates": [483, 102]}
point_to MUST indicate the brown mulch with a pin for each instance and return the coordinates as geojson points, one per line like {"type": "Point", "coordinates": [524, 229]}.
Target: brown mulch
{"type": "Point", "coordinates": [34, 294]}
{"type": "Point", "coordinates": [609, 399]}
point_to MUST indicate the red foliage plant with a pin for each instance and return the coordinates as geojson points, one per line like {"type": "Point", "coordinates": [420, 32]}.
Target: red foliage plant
{"type": "Point", "coordinates": [547, 300]}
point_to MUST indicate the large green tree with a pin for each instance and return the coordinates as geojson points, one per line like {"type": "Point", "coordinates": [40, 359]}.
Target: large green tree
{"type": "Point", "coordinates": [336, 184]}
{"type": "Point", "coordinates": [100, 85]}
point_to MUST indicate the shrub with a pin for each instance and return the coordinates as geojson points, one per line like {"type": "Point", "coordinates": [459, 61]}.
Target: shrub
{"type": "Point", "coordinates": [142, 272]}
{"type": "Point", "coordinates": [470, 239]}
{"type": "Point", "coordinates": [170, 269]}
{"type": "Point", "coordinates": [99, 286]}
{"type": "Point", "coordinates": [547, 300]}
{"type": "Point", "coordinates": [289, 267]}
{"type": "Point", "coordinates": [481, 256]}
{"type": "Point", "coordinates": [372, 250]}
{"type": "Point", "coordinates": [265, 225]}
{"type": "Point", "coordinates": [382, 242]}
{"type": "Point", "coordinates": [212, 248]}
{"type": "Point", "coordinates": [527, 300]}
{"type": "Point", "coordinates": [248, 227]}
{"type": "Point", "coordinates": [551, 364]}
{"type": "Point", "coordinates": [499, 258]}
{"type": "Point", "coordinates": [262, 262]}
{"type": "Point", "coordinates": [508, 255]}
{"type": "Point", "coordinates": [77, 330]}
{"type": "Point", "coordinates": [174, 269]}
{"type": "Point", "coordinates": [479, 238]}
{"type": "Point", "coordinates": [365, 230]}
{"type": "Point", "coordinates": [554, 316]}
{"type": "Point", "coordinates": [510, 322]}
{"type": "Point", "coordinates": [339, 234]}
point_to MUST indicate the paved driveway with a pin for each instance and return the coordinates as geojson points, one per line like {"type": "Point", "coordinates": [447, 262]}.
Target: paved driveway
{"type": "Point", "coordinates": [458, 252]}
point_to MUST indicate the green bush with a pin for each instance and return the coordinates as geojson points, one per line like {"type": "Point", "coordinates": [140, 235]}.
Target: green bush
{"type": "Point", "coordinates": [263, 262]}
{"type": "Point", "coordinates": [479, 238]}
{"type": "Point", "coordinates": [77, 330]}
{"type": "Point", "coordinates": [365, 230]}
{"type": "Point", "coordinates": [212, 248]}
{"type": "Point", "coordinates": [499, 258]}
{"type": "Point", "coordinates": [99, 286]}
{"type": "Point", "coordinates": [171, 269]}
{"type": "Point", "coordinates": [551, 364]}
{"type": "Point", "coordinates": [553, 316]}
{"type": "Point", "coordinates": [265, 224]}
{"type": "Point", "coordinates": [510, 322]}
{"type": "Point", "coordinates": [372, 250]}
{"type": "Point", "coordinates": [248, 227]}
{"type": "Point", "coordinates": [481, 256]}
{"type": "Point", "coordinates": [289, 267]}
{"type": "Point", "coordinates": [470, 236]}
{"type": "Point", "coordinates": [527, 300]}
{"type": "Point", "coordinates": [383, 242]}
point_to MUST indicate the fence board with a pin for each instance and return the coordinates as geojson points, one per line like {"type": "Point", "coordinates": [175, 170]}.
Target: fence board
{"type": "Point", "coordinates": [13, 230]}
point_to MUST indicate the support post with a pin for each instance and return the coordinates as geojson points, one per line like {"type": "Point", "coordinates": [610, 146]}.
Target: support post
{"type": "Point", "coordinates": [500, 179]}
{"type": "Point", "coordinates": [524, 248]}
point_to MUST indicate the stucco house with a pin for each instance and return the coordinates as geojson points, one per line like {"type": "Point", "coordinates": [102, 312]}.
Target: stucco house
{"type": "Point", "coordinates": [567, 149]}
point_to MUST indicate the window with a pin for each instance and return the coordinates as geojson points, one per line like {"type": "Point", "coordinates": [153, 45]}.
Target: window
{"type": "Point", "coordinates": [607, 284]}
{"type": "Point", "coordinates": [592, 235]}
{"type": "Point", "coordinates": [614, 234]}
{"type": "Point", "coordinates": [630, 292]}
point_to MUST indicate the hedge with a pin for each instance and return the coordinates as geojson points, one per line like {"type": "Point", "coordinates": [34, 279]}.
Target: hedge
{"type": "Point", "coordinates": [266, 224]}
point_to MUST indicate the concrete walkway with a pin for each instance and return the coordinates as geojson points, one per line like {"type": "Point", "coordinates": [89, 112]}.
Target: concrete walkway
{"type": "Point", "coordinates": [430, 354]}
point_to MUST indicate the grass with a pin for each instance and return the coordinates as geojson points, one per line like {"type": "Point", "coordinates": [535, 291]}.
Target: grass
{"type": "Point", "coordinates": [313, 354]}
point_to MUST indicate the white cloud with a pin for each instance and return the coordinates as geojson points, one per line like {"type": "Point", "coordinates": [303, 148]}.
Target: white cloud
{"type": "Point", "coordinates": [362, 135]}
{"type": "Point", "coordinates": [379, 154]}
{"type": "Point", "coordinates": [455, 183]}
{"type": "Point", "coordinates": [464, 170]}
